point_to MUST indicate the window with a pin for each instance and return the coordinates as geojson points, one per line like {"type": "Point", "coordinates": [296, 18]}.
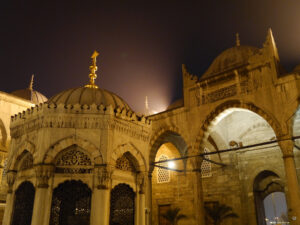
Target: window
{"type": "Point", "coordinates": [163, 175]}
{"type": "Point", "coordinates": [206, 166]}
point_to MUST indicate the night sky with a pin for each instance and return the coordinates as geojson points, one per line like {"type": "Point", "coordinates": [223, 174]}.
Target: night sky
{"type": "Point", "coordinates": [141, 45]}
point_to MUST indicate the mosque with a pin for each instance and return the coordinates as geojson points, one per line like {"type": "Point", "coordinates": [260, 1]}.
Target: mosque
{"type": "Point", "coordinates": [85, 157]}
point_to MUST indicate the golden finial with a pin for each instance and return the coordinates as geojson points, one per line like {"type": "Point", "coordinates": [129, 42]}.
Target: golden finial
{"type": "Point", "coordinates": [238, 43]}
{"type": "Point", "coordinates": [31, 83]}
{"type": "Point", "coordinates": [93, 69]}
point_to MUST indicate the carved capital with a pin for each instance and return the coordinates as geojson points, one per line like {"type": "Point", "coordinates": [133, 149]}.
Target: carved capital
{"type": "Point", "coordinates": [141, 182]}
{"type": "Point", "coordinates": [11, 177]}
{"type": "Point", "coordinates": [43, 173]}
{"type": "Point", "coordinates": [287, 147]}
{"type": "Point", "coordinates": [102, 176]}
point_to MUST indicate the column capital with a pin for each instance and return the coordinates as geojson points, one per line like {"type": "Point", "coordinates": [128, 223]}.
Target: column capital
{"type": "Point", "coordinates": [287, 147]}
{"type": "Point", "coordinates": [141, 182]}
{"type": "Point", "coordinates": [11, 178]}
{"type": "Point", "coordinates": [43, 172]}
{"type": "Point", "coordinates": [102, 175]}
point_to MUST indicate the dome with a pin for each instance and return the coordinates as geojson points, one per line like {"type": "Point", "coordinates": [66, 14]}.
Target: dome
{"type": "Point", "coordinates": [176, 104]}
{"type": "Point", "coordinates": [297, 68]}
{"type": "Point", "coordinates": [30, 95]}
{"type": "Point", "coordinates": [88, 96]}
{"type": "Point", "coordinates": [230, 59]}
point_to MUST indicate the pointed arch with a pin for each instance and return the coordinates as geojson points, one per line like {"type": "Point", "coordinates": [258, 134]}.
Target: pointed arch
{"type": "Point", "coordinates": [164, 135]}
{"type": "Point", "coordinates": [134, 152]}
{"type": "Point", "coordinates": [3, 134]}
{"type": "Point", "coordinates": [25, 146]}
{"type": "Point", "coordinates": [273, 122]}
{"type": "Point", "coordinates": [62, 144]}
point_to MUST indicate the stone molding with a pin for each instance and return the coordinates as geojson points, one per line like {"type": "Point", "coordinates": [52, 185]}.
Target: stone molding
{"type": "Point", "coordinates": [11, 178]}
{"type": "Point", "coordinates": [287, 148]}
{"type": "Point", "coordinates": [235, 104]}
{"type": "Point", "coordinates": [64, 143]}
{"type": "Point", "coordinates": [26, 145]}
{"type": "Point", "coordinates": [103, 175]}
{"type": "Point", "coordinates": [130, 127]}
{"type": "Point", "coordinates": [124, 114]}
{"type": "Point", "coordinates": [128, 147]}
{"type": "Point", "coordinates": [141, 182]}
{"type": "Point", "coordinates": [43, 173]}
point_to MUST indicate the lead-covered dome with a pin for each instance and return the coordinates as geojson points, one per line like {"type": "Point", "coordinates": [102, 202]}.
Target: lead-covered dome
{"type": "Point", "coordinates": [230, 59]}
{"type": "Point", "coordinates": [88, 96]}
{"type": "Point", "coordinates": [30, 95]}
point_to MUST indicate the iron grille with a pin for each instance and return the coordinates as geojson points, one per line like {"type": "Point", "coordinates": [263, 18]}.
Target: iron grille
{"type": "Point", "coordinates": [23, 205]}
{"type": "Point", "coordinates": [122, 205]}
{"type": "Point", "coordinates": [71, 204]}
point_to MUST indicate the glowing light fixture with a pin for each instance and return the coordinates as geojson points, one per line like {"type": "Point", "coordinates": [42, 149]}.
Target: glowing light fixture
{"type": "Point", "coordinates": [171, 165]}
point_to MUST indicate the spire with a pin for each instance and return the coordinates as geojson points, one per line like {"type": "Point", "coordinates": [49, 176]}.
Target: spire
{"type": "Point", "coordinates": [93, 69]}
{"type": "Point", "coordinates": [147, 106]}
{"type": "Point", "coordinates": [270, 43]}
{"type": "Point", "coordinates": [238, 42]}
{"type": "Point", "coordinates": [30, 87]}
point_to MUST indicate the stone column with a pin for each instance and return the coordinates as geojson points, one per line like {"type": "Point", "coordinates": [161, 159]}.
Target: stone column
{"type": "Point", "coordinates": [43, 195]}
{"type": "Point", "coordinates": [149, 200]}
{"type": "Point", "coordinates": [291, 181]}
{"type": "Point", "coordinates": [141, 181]}
{"type": "Point", "coordinates": [101, 196]}
{"type": "Point", "coordinates": [199, 207]}
{"type": "Point", "coordinates": [11, 177]}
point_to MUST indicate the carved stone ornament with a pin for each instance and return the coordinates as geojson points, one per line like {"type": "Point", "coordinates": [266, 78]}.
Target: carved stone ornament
{"type": "Point", "coordinates": [287, 147]}
{"type": "Point", "coordinates": [141, 181]}
{"type": "Point", "coordinates": [11, 177]}
{"type": "Point", "coordinates": [103, 177]}
{"type": "Point", "coordinates": [43, 173]}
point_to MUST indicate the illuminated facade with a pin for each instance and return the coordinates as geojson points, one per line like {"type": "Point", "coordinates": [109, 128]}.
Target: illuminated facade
{"type": "Point", "coordinates": [84, 157]}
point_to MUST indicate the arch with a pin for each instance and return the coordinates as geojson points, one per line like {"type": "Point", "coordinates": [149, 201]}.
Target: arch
{"type": "Point", "coordinates": [71, 203]}
{"type": "Point", "coordinates": [122, 205]}
{"type": "Point", "coordinates": [235, 104]}
{"type": "Point", "coordinates": [23, 204]}
{"type": "Point", "coordinates": [3, 133]}
{"type": "Point", "coordinates": [63, 144]}
{"type": "Point", "coordinates": [25, 146]}
{"type": "Point", "coordinates": [265, 183]}
{"type": "Point", "coordinates": [167, 134]}
{"type": "Point", "coordinates": [134, 152]}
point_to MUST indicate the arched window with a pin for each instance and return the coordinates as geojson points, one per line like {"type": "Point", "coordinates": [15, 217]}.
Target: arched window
{"type": "Point", "coordinates": [26, 161]}
{"type": "Point", "coordinates": [122, 205]}
{"type": "Point", "coordinates": [23, 205]}
{"type": "Point", "coordinates": [206, 166]}
{"type": "Point", "coordinates": [163, 175]}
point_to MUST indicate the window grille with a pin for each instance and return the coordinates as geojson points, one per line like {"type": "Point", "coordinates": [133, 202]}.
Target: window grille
{"type": "Point", "coordinates": [73, 161]}
{"type": "Point", "coordinates": [4, 172]}
{"type": "Point", "coordinates": [163, 175]}
{"type": "Point", "coordinates": [206, 166]}
{"type": "Point", "coordinates": [123, 163]}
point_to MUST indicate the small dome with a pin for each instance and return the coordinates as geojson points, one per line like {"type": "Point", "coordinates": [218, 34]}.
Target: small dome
{"type": "Point", "coordinates": [176, 104]}
{"type": "Point", "coordinates": [30, 95]}
{"type": "Point", "coordinates": [230, 59]}
{"type": "Point", "coordinates": [88, 96]}
{"type": "Point", "coordinates": [297, 69]}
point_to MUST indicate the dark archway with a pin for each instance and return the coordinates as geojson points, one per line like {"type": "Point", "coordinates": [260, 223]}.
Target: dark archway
{"type": "Point", "coordinates": [122, 205]}
{"type": "Point", "coordinates": [71, 204]}
{"type": "Point", "coordinates": [265, 183]}
{"type": "Point", "coordinates": [23, 205]}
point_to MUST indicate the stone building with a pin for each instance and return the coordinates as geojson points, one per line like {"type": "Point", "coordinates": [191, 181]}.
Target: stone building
{"type": "Point", "coordinates": [84, 156]}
